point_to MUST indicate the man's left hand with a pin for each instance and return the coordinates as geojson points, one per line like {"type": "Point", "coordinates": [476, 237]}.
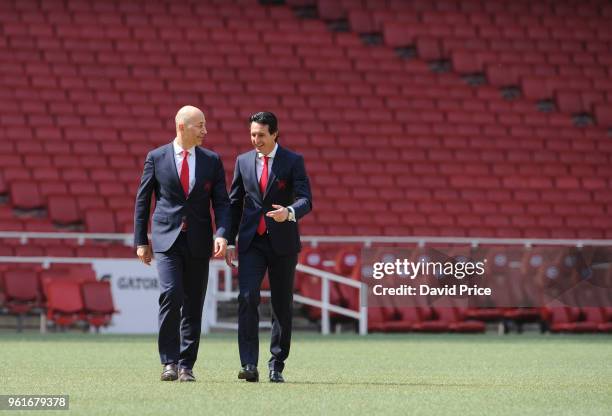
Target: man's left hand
{"type": "Point", "coordinates": [220, 247]}
{"type": "Point", "coordinates": [279, 214]}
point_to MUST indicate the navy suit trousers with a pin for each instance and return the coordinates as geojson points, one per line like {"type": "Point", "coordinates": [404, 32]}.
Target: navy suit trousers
{"type": "Point", "coordinates": [182, 279]}
{"type": "Point", "coordinates": [253, 264]}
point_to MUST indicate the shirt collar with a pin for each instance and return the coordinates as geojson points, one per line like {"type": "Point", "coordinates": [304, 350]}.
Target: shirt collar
{"type": "Point", "coordinates": [178, 150]}
{"type": "Point", "coordinates": [271, 154]}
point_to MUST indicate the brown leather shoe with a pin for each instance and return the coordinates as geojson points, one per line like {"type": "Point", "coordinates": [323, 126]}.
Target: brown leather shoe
{"type": "Point", "coordinates": [169, 373]}
{"type": "Point", "coordinates": [186, 374]}
{"type": "Point", "coordinates": [249, 373]}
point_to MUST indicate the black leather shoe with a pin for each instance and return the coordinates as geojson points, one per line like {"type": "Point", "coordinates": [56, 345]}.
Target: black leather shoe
{"type": "Point", "coordinates": [276, 377]}
{"type": "Point", "coordinates": [169, 373]}
{"type": "Point", "coordinates": [185, 374]}
{"type": "Point", "coordinates": [249, 373]}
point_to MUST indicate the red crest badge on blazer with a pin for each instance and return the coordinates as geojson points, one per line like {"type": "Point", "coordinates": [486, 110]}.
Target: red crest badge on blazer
{"type": "Point", "coordinates": [207, 186]}
{"type": "Point", "coordinates": [281, 184]}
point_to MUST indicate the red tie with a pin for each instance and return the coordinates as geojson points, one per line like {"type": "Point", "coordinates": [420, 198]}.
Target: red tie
{"type": "Point", "coordinates": [263, 183]}
{"type": "Point", "coordinates": [185, 173]}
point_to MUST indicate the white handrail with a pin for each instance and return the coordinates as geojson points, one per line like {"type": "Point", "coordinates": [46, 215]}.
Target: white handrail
{"type": "Point", "coordinates": [46, 261]}
{"type": "Point", "coordinates": [314, 240]}
{"type": "Point", "coordinates": [361, 315]}
{"type": "Point", "coordinates": [325, 276]}
{"type": "Point", "coordinates": [324, 304]}
{"type": "Point", "coordinates": [227, 293]}
{"type": "Point", "coordinates": [474, 241]}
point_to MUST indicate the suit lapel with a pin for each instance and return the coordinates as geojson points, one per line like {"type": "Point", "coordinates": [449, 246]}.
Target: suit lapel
{"type": "Point", "coordinates": [171, 165]}
{"type": "Point", "coordinates": [253, 171]}
{"type": "Point", "coordinates": [199, 169]}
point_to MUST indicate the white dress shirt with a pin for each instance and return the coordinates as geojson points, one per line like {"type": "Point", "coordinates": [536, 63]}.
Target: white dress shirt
{"type": "Point", "coordinates": [191, 160]}
{"type": "Point", "coordinates": [259, 164]}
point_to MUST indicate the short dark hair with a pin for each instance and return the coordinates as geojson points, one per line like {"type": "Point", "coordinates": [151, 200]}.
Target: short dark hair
{"type": "Point", "coordinates": [267, 118]}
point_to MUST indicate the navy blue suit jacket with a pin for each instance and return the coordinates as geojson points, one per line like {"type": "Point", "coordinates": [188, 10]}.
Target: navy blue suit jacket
{"type": "Point", "coordinates": [288, 185]}
{"type": "Point", "coordinates": [160, 176]}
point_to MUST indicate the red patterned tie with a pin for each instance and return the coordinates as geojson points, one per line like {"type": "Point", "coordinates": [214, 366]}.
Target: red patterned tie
{"type": "Point", "coordinates": [185, 173]}
{"type": "Point", "coordinates": [263, 183]}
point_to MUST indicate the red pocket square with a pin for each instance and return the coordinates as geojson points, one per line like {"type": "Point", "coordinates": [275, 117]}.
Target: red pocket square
{"type": "Point", "coordinates": [281, 184]}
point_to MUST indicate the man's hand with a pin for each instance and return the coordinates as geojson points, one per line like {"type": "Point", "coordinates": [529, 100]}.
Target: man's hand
{"type": "Point", "coordinates": [220, 247]}
{"type": "Point", "coordinates": [230, 256]}
{"type": "Point", "coordinates": [144, 254]}
{"type": "Point", "coordinates": [280, 213]}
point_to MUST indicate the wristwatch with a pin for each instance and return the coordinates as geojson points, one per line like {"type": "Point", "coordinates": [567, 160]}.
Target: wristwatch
{"type": "Point", "coordinates": [291, 216]}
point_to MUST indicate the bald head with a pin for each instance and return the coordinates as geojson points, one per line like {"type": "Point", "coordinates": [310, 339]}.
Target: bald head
{"type": "Point", "coordinates": [186, 113]}
{"type": "Point", "coordinates": [190, 126]}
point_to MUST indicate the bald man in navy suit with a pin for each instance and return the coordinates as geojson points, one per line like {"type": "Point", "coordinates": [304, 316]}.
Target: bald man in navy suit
{"type": "Point", "coordinates": [186, 179]}
{"type": "Point", "coordinates": [270, 192]}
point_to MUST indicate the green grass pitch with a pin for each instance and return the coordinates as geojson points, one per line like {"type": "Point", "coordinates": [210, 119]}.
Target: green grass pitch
{"type": "Point", "coordinates": [333, 375]}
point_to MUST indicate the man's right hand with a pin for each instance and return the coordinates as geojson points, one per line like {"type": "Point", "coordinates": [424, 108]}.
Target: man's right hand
{"type": "Point", "coordinates": [230, 256]}
{"type": "Point", "coordinates": [144, 254]}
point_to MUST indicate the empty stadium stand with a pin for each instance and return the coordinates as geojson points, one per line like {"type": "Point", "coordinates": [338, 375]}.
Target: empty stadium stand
{"type": "Point", "coordinates": [450, 118]}
{"type": "Point", "coordinates": [393, 147]}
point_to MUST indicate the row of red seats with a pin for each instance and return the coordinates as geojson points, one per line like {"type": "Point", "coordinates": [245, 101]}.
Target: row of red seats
{"type": "Point", "coordinates": [341, 88]}
{"type": "Point", "coordinates": [500, 9]}
{"type": "Point", "coordinates": [42, 248]}
{"type": "Point", "coordinates": [347, 263]}
{"type": "Point", "coordinates": [541, 263]}
{"type": "Point", "coordinates": [508, 54]}
{"type": "Point", "coordinates": [557, 319]}
{"type": "Point", "coordinates": [67, 296]}
{"type": "Point", "coordinates": [576, 320]}
{"type": "Point", "coordinates": [523, 225]}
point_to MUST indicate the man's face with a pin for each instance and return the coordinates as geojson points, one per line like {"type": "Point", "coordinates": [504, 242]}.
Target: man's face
{"type": "Point", "coordinates": [194, 129]}
{"type": "Point", "coordinates": [261, 138]}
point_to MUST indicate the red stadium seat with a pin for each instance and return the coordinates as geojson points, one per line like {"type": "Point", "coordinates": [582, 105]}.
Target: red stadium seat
{"type": "Point", "coordinates": [408, 319]}
{"type": "Point", "coordinates": [310, 256]}
{"type": "Point", "coordinates": [570, 101]}
{"type": "Point", "coordinates": [346, 260]}
{"type": "Point", "coordinates": [603, 114]}
{"type": "Point", "coordinates": [465, 62]}
{"type": "Point", "coordinates": [64, 302]}
{"type": "Point", "coordinates": [310, 286]}
{"type": "Point", "coordinates": [449, 319]}
{"type": "Point", "coordinates": [566, 319]}
{"type": "Point", "coordinates": [98, 303]}
{"type": "Point", "coordinates": [330, 10]}
{"type": "Point", "coordinates": [25, 195]}
{"type": "Point", "coordinates": [100, 221]}
{"type": "Point", "coordinates": [74, 273]}
{"type": "Point", "coordinates": [361, 21]}
{"type": "Point", "coordinates": [21, 291]}
{"type": "Point", "coordinates": [595, 315]}
{"type": "Point", "coordinates": [63, 209]}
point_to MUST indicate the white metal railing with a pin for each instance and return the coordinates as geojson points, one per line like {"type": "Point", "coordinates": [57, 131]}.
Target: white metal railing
{"type": "Point", "coordinates": [325, 305]}
{"type": "Point", "coordinates": [361, 315]}
{"type": "Point", "coordinates": [315, 240]}
{"type": "Point", "coordinates": [214, 295]}
{"type": "Point", "coordinates": [24, 237]}
{"type": "Point", "coordinates": [421, 241]}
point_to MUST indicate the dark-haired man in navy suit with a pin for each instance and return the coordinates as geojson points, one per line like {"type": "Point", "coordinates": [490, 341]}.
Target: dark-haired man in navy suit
{"type": "Point", "coordinates": [269, 193]}
{"type": "Point", "coordinates": [186, 179]}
